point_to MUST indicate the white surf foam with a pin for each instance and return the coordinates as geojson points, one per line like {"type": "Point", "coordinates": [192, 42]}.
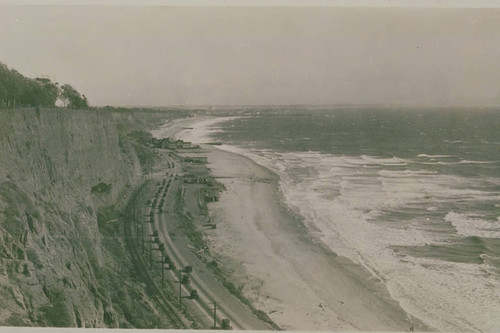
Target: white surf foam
{"type": "Point", "coordinates": [434, 156]}
{"type": "Point", "coordinates": [468, 225]}
{"type": "Point", "coordinates": [345, 218]}
{"type": "Point", "coordinates": [202, 131]}
{"type": "Point", "coordinates": [455, 141]}
{"type": "Point", "coordinates": [344, 198]}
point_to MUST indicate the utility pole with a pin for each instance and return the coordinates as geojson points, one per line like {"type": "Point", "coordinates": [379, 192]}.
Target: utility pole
{"type": "Point", "coordinates": [215, 314]}
{"type": "Point", "coordinates": [151, 251]}
{"type": "Point", "coordinates": [163, 261]}
{"type": "Point", "coordinates": [162, 275]}
{"type": "Point", "coordinates": [180, 289]}
{"type": "Point", "coordinates": [137, 227]}
{"type": "Point", "coordinates": [142, 236]}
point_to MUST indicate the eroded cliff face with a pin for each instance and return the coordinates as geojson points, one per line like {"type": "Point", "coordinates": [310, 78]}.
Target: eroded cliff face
{"type": "Point", "coordinates": [59, 265]}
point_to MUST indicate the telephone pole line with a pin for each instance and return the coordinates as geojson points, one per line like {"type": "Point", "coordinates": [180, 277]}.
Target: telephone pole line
{"type": "Point", "coordinates": [215, 314]}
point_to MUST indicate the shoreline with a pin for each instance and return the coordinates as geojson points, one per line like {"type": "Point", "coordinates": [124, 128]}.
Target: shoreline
{"type": "Point", "coordinates": [270, 253]}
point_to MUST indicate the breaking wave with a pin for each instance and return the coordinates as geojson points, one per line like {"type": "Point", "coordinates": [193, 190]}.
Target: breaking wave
{"type": "Point", "coordinates": [363, 206]}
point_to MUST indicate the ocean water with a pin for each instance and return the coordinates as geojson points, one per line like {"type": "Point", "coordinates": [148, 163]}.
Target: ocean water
{"type": "Point", "coordinates": [412, 195]}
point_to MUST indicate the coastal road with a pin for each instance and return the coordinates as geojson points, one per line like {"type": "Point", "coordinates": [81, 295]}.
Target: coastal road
{"type": "Point", "coordinates": [162, 302]}
{"type": "Point", "coordinates": [210, 289]}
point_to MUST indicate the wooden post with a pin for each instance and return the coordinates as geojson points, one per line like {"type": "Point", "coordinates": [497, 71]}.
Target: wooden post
{"type": "Point", "coordinates": [151, 252]}
{"type": "Point", "coordinates": [142, 236]}
{"type": "Point", "coordinates": [215, 314]}
{"type": "Point", "coordinates": [162, 275]}
{"type": "Point", "coordinates": [180, 289]}
{"type": "Point", "coordinates": [137, 227]}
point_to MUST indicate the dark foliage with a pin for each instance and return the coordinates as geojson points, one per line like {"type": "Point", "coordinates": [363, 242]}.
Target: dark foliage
{"type": "Point", "coordinates": [72, 98]}
{"type": "Point", "coordinates": [101, 188]}
{"type": "Point", "coordinates": [17, 90]}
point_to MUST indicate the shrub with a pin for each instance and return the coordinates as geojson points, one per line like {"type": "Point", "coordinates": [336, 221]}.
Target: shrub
{"type": "Point", "coordinates": [101, 188]}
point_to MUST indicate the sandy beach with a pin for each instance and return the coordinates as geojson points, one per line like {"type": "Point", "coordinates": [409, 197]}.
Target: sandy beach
{"type": "Point", "coordinates": [283, 270]}
{"type": "Point", "coordinates": [297, 281]}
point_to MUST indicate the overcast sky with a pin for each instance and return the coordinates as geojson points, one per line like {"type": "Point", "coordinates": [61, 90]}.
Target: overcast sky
{"type": "Point", "coordinates": [161, 55]}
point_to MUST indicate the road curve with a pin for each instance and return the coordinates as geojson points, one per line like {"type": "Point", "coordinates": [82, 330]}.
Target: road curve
{"type": "Point", "coordinates": [209, 288]}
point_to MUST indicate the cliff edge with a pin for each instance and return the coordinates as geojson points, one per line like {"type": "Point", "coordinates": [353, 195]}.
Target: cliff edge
{"type": "Point", "coordinates": [64, 179]}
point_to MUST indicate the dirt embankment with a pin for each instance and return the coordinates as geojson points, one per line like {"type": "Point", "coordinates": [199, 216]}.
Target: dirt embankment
{"type": "Point", "coordinates": [64, 178]}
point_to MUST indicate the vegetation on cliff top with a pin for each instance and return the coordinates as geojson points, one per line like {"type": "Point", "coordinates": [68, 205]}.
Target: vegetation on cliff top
{"type": "Point", "coordinates": [18, 90]}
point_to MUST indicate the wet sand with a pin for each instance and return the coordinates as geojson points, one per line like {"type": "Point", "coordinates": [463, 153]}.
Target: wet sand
{"type": "Point", "coordinates": [296, 280]}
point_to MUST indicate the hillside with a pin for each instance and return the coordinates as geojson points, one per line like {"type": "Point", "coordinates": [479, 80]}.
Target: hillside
{"type": "Point", "coordinates": [65, 176]}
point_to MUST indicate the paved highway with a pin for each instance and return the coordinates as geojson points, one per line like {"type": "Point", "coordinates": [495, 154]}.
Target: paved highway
{"type": "Point", "coordinates": [209, 289]}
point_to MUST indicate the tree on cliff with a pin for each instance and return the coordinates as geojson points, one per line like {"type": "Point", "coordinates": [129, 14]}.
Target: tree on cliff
{"type": "Point", "coordinates": [18, 90]}
{"type": "Point", "coordinates": [50, 91]}
{"type": "Point", "coordinates": [72, 98]}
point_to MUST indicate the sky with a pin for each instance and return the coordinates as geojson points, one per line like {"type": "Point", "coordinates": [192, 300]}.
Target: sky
{"type": "Point", "coordinates": [220, 55]}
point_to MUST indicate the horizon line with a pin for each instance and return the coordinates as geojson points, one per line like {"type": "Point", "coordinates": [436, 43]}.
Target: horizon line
{"type": "Point", "coordinates": [181, 106]}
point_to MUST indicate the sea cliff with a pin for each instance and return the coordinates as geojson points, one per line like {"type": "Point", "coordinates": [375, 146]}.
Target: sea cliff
{"type": "Point", "coordinates": [64, 178]}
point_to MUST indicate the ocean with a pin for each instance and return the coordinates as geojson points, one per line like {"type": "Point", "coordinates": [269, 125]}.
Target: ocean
{"type": "Point", "coordinates": [413, 195]}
